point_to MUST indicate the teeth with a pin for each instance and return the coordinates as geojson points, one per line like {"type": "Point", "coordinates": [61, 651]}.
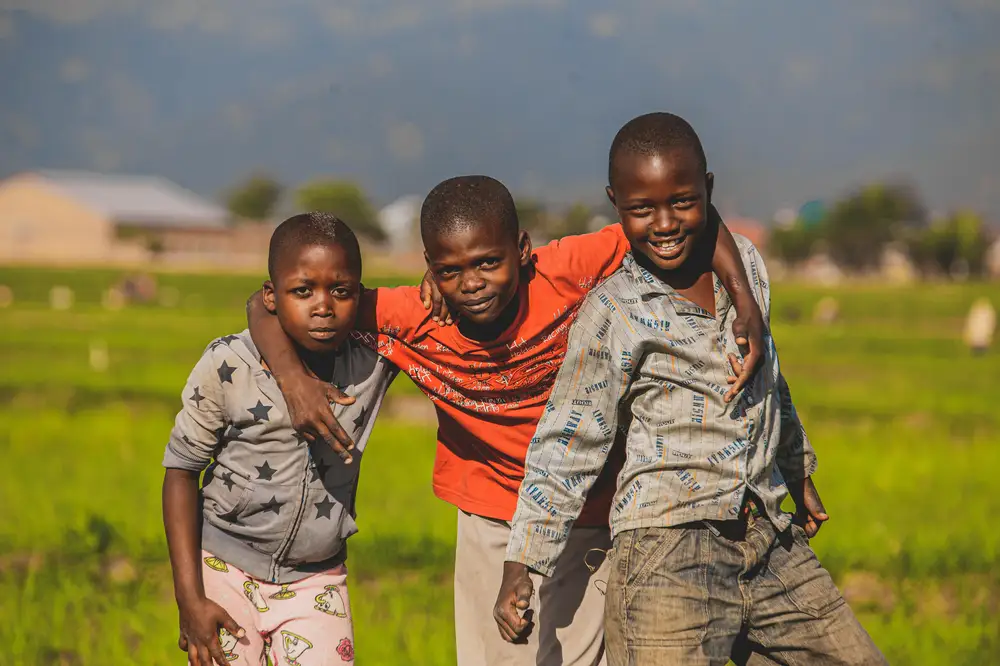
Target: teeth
{"type": "Point", "coordinates": [665, 244]}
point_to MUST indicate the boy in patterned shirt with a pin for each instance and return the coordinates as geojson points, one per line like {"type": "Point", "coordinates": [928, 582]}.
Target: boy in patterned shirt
{"type": "Point", "coordinates": [258, 554]}
{"type": "Point", "coordinates": [489, 378]}
{"type": "Point", "coordinates": [705, 566]}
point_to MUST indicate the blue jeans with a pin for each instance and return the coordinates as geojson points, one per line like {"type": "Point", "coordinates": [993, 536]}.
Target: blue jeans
{"type": "Point", "coordinates": [692, 595]}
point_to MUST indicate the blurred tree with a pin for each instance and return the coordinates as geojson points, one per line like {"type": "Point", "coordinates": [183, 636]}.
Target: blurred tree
{"type": "Point", "coordinates": [952, 246]}
{"type": "Point", "coordinates": [796, 243]}
{"type": "Point", "coordinates": [345, 200]}
{"type": "Point", "coordinates": [531, 214]}
{"type": "Point", "coordinates": [858, 227]}
{"type": "Point", "coordinates": [255, 198]}
{"type": "Point", "coordinates": [575, 221]}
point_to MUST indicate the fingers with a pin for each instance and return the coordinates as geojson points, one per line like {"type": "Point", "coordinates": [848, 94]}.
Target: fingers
{"type": "Point", "coordinates": [745, 373]}
{"type": "Point", "coordinates": [334, 394]}
{"type": "Point", "coordinates": [330, 431]}
{"type": "Point", "coordinates": [741, 370]}
{"type": "Point", "coordinates": [194, 656]}
{"type": "Point", "coordinates": [333, 440]}
{"type": "Point", "coordinates": [812, 501]}
{"type": "Point", "coordinates": [509, 622]}
{"type": "Point", "coordinates": [182, 643]}
{"type": "Point", "coordinates": [217, 655]}
{"type": "Point", "coordinates": [523, 594]}
{"type": "Point", "coordinates": [232, 626]}
{"type": "Point", "coordinates": [341, 443]}
{"type": "Point", "coordinates": [740, 332]}
{"type": "Point", "coordinates": [425, 292]}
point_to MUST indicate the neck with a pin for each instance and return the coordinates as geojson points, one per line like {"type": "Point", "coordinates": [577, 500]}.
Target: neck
{"type": "Point", "coordinates": [319, 363]}
{"type": "Point", "coordinates": [681, 278]}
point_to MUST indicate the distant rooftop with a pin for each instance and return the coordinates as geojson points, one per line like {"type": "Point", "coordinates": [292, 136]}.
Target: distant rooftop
{"type": "Point", "coordinates": [137, 200]}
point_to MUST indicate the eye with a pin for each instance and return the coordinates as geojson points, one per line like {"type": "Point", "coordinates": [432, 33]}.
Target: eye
{"type": "Point", "coordinates": [342, 292]}
{"type": "Point", "coordinates": [492, 262]}
{"type": "Point", "coordinates": [302, 292]}
{"type": "Point", "coordinates": [447, 272]}
{"type": "Point", "coordinates": [685, 203]}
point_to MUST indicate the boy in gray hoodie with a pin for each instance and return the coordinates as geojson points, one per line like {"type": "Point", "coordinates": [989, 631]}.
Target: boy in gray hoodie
{"type": "Point", "coordinates": [258, 551]}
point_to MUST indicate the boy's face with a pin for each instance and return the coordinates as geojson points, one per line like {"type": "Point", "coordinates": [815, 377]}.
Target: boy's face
{"type": "Point", "coordinates": [477, 269]}
{"type": "Point", "coordinates": [315, 294]}
{"type": "Point", "coordinates": [662, 201]}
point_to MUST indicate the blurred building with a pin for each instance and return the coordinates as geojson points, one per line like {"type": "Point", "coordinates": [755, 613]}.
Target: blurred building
{"type": "Point", "coordinates": [753, 230]}
{"type": "Point", "coordinates": [84, 217]}
{"type": "Point", "coordinates": [401, 222]}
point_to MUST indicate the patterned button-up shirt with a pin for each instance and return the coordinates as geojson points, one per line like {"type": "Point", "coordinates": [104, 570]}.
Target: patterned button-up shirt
{"type": "Point", "coordinates": [648, 366]}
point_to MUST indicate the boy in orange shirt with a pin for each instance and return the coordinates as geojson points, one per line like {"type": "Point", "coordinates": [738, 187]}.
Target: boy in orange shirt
{"type": "Point", "coordinates": [489, 378]}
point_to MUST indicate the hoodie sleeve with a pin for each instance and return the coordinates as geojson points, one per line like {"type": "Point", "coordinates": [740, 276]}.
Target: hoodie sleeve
{"type": "Point", "coordinates": [195, 435]}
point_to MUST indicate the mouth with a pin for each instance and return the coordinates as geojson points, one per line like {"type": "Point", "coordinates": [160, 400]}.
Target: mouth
{"type": "Point", "coordinates": [323, 333]}
{"type": "Point", "coordinates": [479, 305]}
{"type": "Point", "coordinates": [668, 249]}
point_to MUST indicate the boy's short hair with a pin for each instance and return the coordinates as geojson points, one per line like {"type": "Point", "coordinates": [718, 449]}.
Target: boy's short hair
{"type": "Point", "coordinates": [654, 134]}
{"type": "Point", "coordinates": [314, 228]}
{"type": "Point", "coordinates": [465, 202]}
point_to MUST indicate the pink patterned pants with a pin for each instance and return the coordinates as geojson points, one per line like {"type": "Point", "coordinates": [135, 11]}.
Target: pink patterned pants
{"type": "Point", "coordinates": [305, 623]}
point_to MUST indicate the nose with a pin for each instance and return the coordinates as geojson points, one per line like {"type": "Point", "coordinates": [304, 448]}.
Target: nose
{"type": "Point", "coordinates": [323, 306]}
{"type": "Point", "coordinates": [472, 282]}
{"type": "Point", "coordinates": [664, 223]}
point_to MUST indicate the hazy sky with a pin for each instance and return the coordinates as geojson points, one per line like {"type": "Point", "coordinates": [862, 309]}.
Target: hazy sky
{"type": "Point", "coordinates": [793, 100]}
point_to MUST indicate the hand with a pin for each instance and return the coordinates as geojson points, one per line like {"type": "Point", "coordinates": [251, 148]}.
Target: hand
{"type": "Point", "coordinates": [514, 598]}
{"type": "Point", "coordinates": [200, 622]}
{"type": "Point", "coordinates": [433, 301]}
{"type": "Point", "coordinates": [308, 399]}
{"type": "Point", "coordinates": [748, 329]}
{"type": "Point", "coordinates": [809, 511]}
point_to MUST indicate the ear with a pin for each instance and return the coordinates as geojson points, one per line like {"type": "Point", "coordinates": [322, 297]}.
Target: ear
{"type": "Point", "coordinates": [709, 185]}
{"type": "Point", "coordinates": [267, 295]}
{"type": "Point", "coordinates": [427, 260]}
{"type": "Point", "coordinates": [524, 247]}
{"type": "Point", "coordinates": [611, 196]}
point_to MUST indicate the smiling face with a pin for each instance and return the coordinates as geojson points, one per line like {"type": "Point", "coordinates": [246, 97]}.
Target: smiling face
{"type": "Point", "coordinates": [662, 201]}
{"type": "Point", "coordinates": [477, 269]}
{"type": "Point", "coordinates": [314, 291]}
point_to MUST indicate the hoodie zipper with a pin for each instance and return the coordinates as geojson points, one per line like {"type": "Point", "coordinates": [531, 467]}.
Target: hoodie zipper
{"type": "Point", "coordinates": [283, 549]}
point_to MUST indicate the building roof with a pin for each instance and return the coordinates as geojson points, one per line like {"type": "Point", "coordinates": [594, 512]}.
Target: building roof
{"type": "Point", "coordinates": [147, 201]}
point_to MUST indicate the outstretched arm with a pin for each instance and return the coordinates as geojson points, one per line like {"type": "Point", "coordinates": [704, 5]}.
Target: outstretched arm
{"type": "Point", "coordinates": [564, 459]}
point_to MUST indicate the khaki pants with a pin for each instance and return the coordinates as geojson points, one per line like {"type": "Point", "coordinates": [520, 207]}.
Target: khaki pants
{"type": "Point", "coordinates": [569, 607]}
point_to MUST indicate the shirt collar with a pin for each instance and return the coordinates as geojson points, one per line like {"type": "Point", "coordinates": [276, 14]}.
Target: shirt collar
{"type": "Point", "coordinates": [648, 284]}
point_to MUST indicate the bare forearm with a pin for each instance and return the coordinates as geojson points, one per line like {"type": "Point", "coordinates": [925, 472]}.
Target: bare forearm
{"type": "Point", "coordinates": [271, 341]}
{"type": "Point", "coordinates": [182, 520]}
{"type": "Point", "coordinates": [726, 262]}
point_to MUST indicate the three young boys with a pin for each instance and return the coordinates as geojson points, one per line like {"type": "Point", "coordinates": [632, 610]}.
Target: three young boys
{"type": "Point", "coordinates": [705, 566]}
{"type": "Point", "coordinates": [490, 379]}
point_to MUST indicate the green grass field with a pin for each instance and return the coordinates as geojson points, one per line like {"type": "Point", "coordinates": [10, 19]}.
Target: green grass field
{"type": "Point", "coordinates": [903, 418]}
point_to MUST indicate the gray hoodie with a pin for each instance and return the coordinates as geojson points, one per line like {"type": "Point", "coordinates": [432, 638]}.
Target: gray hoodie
{"type": "Point", "coordinates": [274, 505]}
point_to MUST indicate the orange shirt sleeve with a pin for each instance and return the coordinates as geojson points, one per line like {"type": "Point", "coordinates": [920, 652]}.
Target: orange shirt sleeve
{"type": "Point", "coordinates": [587, 258]}
{"type": "Point", "coordinates": [394, 311]}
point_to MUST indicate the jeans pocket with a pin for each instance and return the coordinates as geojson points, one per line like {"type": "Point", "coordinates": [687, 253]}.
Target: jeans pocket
{"type": "Point", "coordinates": [807, 585]}
{"type": "Point", "coordinates": [666, 588]}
